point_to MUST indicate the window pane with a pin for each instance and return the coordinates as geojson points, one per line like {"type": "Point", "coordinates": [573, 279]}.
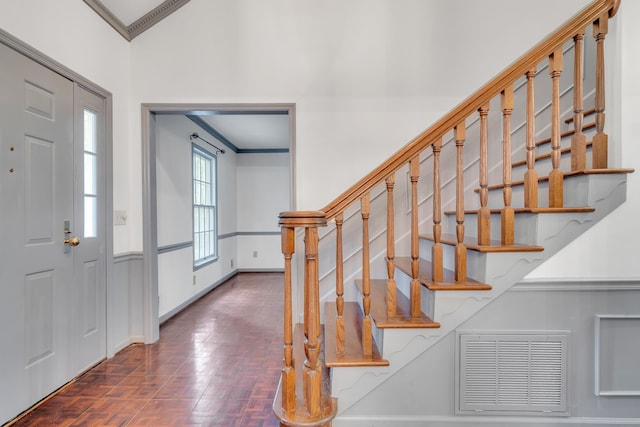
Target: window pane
{"type": "Point", "coordinates": [90, 173]}
{"type": "Point", "coordinates": [90, 216]}
{"type": "Point", "coordinates": [90, 131]}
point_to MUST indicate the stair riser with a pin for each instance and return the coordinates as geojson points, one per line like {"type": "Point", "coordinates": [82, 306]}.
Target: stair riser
{"type": "Point", "coordinates": [474, 258]}
{"type": "Point", "coordinates": [427, 297]}
{"type": "Point", "coordinates": [524, 227]}
{"type": "Point", "coordinates": [496, 198]}
{"type": "Point", "coordinates": [544, 166]}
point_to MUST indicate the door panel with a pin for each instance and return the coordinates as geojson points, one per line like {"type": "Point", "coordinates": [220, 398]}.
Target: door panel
{"type": "Point", "coordinates": [39, 190]}
{"type": "Point", "coordinates": [52, 301]}
{"type": "Point", "coordinates": [39, 317]}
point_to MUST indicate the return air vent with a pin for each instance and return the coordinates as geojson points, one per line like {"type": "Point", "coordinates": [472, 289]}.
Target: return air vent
{"type": "Point", "coordinates": [500, 373]}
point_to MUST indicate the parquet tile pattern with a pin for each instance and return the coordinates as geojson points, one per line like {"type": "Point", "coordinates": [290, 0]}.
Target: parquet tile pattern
{"type": "Point", "coordinates": [217, 363]}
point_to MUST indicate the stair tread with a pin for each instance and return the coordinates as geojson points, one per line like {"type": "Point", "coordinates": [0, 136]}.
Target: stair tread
{"type": "Point", "coordinates": [447, 284]}
{"type": "Point", "coordinates": [402, 318]}
{"type": "Point", "coordinates": [329, 405]}
{"type": "Point", "coordinates": [353, 355]}
{"type": "Point", "coordinates": [608, 171]}
{"type": "Point", "coordinates": [530, 210]}
{"type": "Point", "coordinates": [563, 151]}
{"type": "Point", "coordinates": [566, 133]}
{"type": "Point", "coordinates": [494, 245]}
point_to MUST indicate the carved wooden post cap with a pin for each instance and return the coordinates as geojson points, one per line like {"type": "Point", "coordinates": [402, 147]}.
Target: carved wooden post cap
{"type": "Point", "coordinates": [303, 219]}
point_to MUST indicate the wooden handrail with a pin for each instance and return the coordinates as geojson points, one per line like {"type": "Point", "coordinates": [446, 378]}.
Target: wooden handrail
{"type": "Point", "coordinates": [471, 104]}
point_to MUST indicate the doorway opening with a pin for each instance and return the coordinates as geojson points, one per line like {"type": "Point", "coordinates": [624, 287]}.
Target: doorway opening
{"type": "Point", "coordinates": [252, 149]}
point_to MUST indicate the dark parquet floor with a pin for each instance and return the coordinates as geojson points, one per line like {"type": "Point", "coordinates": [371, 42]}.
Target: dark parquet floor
{"type": "Point", "coordinates": [217, 363]}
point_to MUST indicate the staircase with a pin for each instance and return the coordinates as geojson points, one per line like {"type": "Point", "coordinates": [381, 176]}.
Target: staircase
{"type": "Point", "coordinates": [440, 230]}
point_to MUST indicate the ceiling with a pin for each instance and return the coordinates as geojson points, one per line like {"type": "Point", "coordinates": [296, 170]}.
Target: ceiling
{"type": "Point", "coordinates": [258, 131]}
{"type": "Point", "coordinates": [244, 131]}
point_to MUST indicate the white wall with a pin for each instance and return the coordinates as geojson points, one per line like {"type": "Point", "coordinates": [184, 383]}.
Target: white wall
{"type": "Point", "coordinates": [174, 198]}
{"type": "Point", "coordinates": [263, 192]}
{"type": "Point", "coordinates": [366, 76]}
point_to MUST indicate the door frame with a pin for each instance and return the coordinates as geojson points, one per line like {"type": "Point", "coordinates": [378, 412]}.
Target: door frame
{"type": "Point", "coordinates": [53, 65]}
{"type": "Point", "coordinates": [151, 318]}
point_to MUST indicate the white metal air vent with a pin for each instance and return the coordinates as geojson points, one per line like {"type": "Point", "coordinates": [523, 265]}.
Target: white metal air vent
{"type": "Point", "coordinates": [511, 374]}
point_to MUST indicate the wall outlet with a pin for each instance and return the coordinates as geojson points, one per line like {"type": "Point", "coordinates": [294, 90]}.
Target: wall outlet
{"type": "Point", "coordinates": [194, 280]}
{"type": "Point", "coordinates": [255, 254]}
{"type": "Point", "coordinates": [231, 263]}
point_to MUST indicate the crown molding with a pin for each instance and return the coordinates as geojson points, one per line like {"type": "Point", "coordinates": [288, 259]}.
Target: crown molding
{"type": "Point", "coordinates": [139, 26]}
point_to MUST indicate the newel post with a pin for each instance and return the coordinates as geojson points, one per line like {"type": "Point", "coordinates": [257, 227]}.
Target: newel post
{"type": "Point", "coordinates": [312, 373]}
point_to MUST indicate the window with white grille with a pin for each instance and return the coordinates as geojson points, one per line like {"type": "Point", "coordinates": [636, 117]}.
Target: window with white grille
{"type": "Point", "coordinates": [205, 240]}
{"type": "Point", "coordinates": [500, 373]}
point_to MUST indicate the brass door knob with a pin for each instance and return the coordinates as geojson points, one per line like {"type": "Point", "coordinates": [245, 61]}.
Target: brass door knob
{"type": "Point", "coordinates": [74, 241]}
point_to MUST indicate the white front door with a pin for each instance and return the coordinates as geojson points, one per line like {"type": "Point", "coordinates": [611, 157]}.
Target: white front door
{"type": "Point", "coordinates": [52, 294]}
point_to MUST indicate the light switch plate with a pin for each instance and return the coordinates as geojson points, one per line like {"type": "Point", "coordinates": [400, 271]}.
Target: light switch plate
{"type": "Point", "coordinates": [120, 217]}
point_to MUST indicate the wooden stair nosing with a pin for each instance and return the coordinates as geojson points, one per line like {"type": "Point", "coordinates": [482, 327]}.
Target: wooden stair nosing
{"type": "Point", "coordinates": [472, 244]}
{"type": "Point", "coordinates": [447, 284]}
{"type": "Point", "coordinates": [584, 114]}
{"type": "Point", "coordinates": [566, 133]}
{"type": "Point", "coordinates": [608, 171]}
{"type": "Point", "coordinates": [353, 355]}
{"type": "Point", "coordinates": [300, 415]}
{"type": "Point", "coordinates": [403, 318]}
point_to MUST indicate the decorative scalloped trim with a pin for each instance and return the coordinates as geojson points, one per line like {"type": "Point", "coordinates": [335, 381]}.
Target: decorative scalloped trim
{"type": "Point", "coordinates": [154, 16]}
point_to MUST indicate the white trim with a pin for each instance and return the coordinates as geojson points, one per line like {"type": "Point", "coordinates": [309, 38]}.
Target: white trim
{"type": "Point", "coordinates": [577, 285]}
{"type": "Point", "coordinates": [597, 338]}
{"type": "Point", "coordinates": [421, 421]}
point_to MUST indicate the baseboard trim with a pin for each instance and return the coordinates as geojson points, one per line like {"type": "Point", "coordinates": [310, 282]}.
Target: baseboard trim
{"type": "Point", "coordinates": [260, 270]}
{"type": "Point", "coordinates": [196, 297]}
{"type": "Point", "coordinates": [475, 421]}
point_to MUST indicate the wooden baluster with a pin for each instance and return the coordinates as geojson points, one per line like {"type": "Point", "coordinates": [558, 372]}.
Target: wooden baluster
{"type": "Point", "coordinates": [578, 140]}
{"type": "Point", "coordinates": [460, 271]}
{"type": "Point", "coordinates": [312, 379]}
{"type": "Point", "coordinates": [484, 215]}
{"type": "Point", "coordinates": [288, 367]}
{"type": "Point", "coordinates": [414, 173]}
{"type": "Point", "coordinates": [556, 179]}
{"type": "Point", "coordinates": [507, 213]}
{"type": "Point", "coordinates": [391, 282]}
{"type": "Point", "coordinates": [600, 140]}
{"type": "Point", "coordinates": [339, 287]}
{"type": "Point", "coordinates": [367, 332]}
{"type": "Point", "coordinates": [531, 176]}
{"type": "Point", "coordinates": [436, 249]}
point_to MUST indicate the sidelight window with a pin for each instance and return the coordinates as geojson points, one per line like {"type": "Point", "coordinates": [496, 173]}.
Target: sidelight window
{"type": "Point", "coordinates": [90, 173]}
